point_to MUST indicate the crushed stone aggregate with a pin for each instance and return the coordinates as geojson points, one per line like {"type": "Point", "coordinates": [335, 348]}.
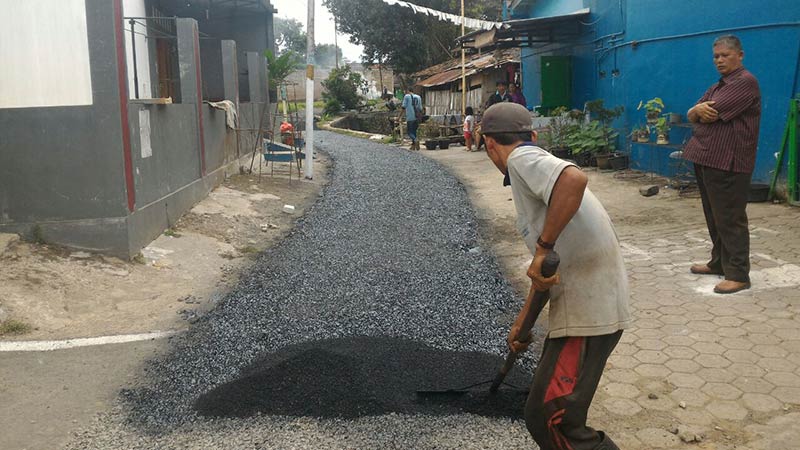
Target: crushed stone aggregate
{"type": "Point", "coordinates": [382, 262]}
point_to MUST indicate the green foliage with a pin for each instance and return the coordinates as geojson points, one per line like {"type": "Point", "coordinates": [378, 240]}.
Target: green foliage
{"type": "Point", "coordinates": [560, 126]}
{"type": "Point", "coordinates": [38, 235]}
{"type": "Point", "coordinates": [280, 67]}
{"type": "Point", "coordinates": [14, 327]}
{"type": "Point", "coordinates": [592, 137]}
{"type": "Point", "coordinates": [395, 35]}
{"type": "Point", "coordinates": [654, 105]}
{"type": "Point", "coordinates": [662, 125]}
{"type": "Point", "coordinates": [325, 55]}
{"type": "Point", "coordinates": [290, 36]}
{"type": "Point", "coordinates": [601, 113]}
{"type": "Point", "coordinates": [342, 90]}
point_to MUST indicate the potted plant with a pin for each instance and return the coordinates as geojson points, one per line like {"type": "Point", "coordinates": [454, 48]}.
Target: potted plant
{"type": "Point", "coordinates": [430, 131]}
{"type": "Point", "coordinates": [653, 108]}
{"type": "Point", "coordinates": [641, 134]}
{"type": "Point", "coordinates": [557, 131]}
{"type": "Point", "coordinates": [604, 148]}
{"type": "Point", "coordinates": [618, 162]}
{"type": "Point", "coordinates": [662, 128]}
{"type": "Point", "coordinates": [592, 141]}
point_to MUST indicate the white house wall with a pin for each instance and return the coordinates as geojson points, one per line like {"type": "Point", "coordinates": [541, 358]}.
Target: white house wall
{"type": "Point", "coordinates": [44, 51]}
{"type": "Point", "coordinates": [135, 8]}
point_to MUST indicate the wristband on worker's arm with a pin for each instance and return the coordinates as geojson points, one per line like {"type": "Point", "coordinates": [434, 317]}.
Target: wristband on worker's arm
{"type": "Point", "coordinates": [545, 245]}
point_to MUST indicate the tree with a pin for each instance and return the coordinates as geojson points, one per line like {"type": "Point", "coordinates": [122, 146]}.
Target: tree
{"type": "Point", "coordinates": [400, 38]}
{"type": "Point", "coordinates": [325, 55]}
{"type": "Point", "coordinates": [341, 90]}
{"type": "Point", "coordinates": [280, 67]}
{"type": "Point", "coordinates": [289, 35]}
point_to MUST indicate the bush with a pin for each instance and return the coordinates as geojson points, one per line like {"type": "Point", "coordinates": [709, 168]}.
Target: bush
{"type": "Point", "coordinates": [342, 88]}
{"type": "Point", "coordinates": [332, 106]}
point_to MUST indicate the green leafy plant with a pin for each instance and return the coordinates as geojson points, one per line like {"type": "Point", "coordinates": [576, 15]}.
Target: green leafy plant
{"type": "Point", "coordinates": [280, 67]}
{"type": "Point", "coordinates": [342, 89]}
{"type": "Point", "coordinates": [653, 108]}
{"type": "Point", "coordinates": [14, 327]}
{"type": "Point", "coordinates": [592, 137]}
{"type": "Point", "coordinates": [605, 115]}
{"type": "Point", "coordinates": [559, 128]}
{"type": "Point", "coordinates": [662, 125]}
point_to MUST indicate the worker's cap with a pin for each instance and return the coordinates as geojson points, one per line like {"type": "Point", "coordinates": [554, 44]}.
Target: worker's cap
{"type": "Point", "coordinates": [506, 117]}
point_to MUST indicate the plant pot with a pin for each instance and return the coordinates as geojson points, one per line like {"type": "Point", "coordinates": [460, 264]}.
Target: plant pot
{"type": "Point", "coordinates": [618, 162]}
{"type": "Point", "coordinates": [602, 160]}
{"type": "Point", "coordinates": [674, 118]}
{"type": "Point", "coordinates": [663, 139]}
{"type": "Point", "coordinates": [561, 152]}
{"type": "Point", "coordinates": [431, 145]}
{"type": "Point", "coordinates": [642, 136]}
{"type": "Point", "coordinates": [444, 144]}
{"type": "Point", "coordinates": [583, 159]}
{"type": "Point", "coordinates": [652, 117]}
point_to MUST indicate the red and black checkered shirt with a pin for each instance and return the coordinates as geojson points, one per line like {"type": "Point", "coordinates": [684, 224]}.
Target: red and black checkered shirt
{"type": "Point", "coordinates": [729, 143]}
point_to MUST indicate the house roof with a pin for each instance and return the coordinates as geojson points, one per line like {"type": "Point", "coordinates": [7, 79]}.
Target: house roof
{"type": "Point", "coordinates": [450, 71]}
{"type": "Point", "coordinates": [528, 32]}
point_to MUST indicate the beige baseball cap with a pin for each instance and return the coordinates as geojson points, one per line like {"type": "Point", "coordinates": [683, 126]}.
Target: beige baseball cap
{"type": "Point", "coordinates": [506, 117]}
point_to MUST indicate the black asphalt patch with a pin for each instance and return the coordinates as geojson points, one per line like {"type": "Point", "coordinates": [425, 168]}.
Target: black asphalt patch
{"type": "Point", "coordinates": [366, 376]}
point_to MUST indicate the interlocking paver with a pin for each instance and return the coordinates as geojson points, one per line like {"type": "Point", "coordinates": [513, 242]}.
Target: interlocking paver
{"type": "Point", "coordinates": [621, 375]}
{"type": "Point", "coordinates": [708, 360]}
{"type": "Point", "coordinates": [716, 375]}
{"type": "Point", "coordinates": [682, 365]}
{"type": "Point", "coordinates": [694, 416]}
{"type": "Point", "coordinates": [737, 343]}
{"type": "Point", "coordinates": [787, 394]}
{"type": "Point", "coordinates": [741, 356]}
{"type": "Point", "coordinates": [727, 409]}
{"type": "Point", "coordinates": [680, 352]}
{"type": "Point", "coordinates": [770, 351]}
{"type": "Point", "coordinates": [710, 347]}
{"type": "Point", "coordinates": [722, 391]}
{"type": "Point", "coordinates": [685, 380]}
{"type": "Point", "coordinates": [761, 402]}
{"type": "Point", "coordinates": [681, 340]}
{"type": "Point", "coordinates": [657, 438]}
{"type": "Point", "coordinates": [731, 332]}
{"type": "Point", "coordinates": [754, 385]}
{"type": "Point", "coordinates": [746, 370]}
{"type": "Point", "coordinates": [783, 379]}
{"type": "Point", "coordinates": [777, 365]}
{"type": "Point", "coordinates": [763, 338]}
{"type": "Point", "coordinates": [651, 356]}
{"type": "Point", "coordinates": [651, 344]}
{"type": "Point", "coordinates": [690, 396]}
{"type": "Point", "coordinates": [621, 406]}
{"type": "Point", "coordinates": [787, 334]}
{"type": "Point", "coordinates": [622, 390]}
{"type": "Point", "coordinates": [653, 370]}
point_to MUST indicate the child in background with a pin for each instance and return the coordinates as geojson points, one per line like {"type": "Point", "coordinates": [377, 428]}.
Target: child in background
{"type": "Point", "coordinates": [469, 127]}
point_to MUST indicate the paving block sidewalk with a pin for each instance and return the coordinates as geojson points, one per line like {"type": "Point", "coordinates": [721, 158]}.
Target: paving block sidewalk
{"type": "Point", "coordinates": [707, 370]}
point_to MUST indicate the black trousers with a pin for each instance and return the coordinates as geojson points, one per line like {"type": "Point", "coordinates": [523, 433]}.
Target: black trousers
{"type": "Point", "coordinates": [562, 390]}
{"type": "Point", "coordinates": [724, 196]}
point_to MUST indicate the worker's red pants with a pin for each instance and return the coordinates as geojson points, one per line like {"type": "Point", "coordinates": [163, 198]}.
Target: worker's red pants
{"type": "Point", "coordinates": [562, 390]}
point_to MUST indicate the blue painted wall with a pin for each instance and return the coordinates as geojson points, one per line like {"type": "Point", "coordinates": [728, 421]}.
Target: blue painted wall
{"type": "Point", "coordinates": [673, 59]}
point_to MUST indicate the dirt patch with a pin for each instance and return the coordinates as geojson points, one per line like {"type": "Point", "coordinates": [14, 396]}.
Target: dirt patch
{"type": "Point", "coordinates": [71, 294]}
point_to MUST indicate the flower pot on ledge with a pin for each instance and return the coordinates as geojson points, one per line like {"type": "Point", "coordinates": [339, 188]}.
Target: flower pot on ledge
{"type": "Point", "coordinates": [663, 139]}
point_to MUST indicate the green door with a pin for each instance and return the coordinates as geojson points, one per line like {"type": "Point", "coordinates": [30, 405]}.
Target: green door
{"type": "Point", "coordinates": [556, 82]}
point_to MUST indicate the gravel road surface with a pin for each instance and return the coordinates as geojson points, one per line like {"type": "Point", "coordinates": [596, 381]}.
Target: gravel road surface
{"type": "Point", "coordinates": [382, 289]}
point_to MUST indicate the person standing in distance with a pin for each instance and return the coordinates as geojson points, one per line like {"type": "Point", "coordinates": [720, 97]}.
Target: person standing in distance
{"type": "Point", "coordinates": [412, 105]}
{"type": "Point", "coordinates": [723, 149]}
{"type": "Point", "coordinates": [588, 297]}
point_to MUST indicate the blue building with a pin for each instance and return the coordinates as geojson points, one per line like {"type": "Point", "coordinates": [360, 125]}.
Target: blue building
{"type": "Point", "coordinates": [626, 51]}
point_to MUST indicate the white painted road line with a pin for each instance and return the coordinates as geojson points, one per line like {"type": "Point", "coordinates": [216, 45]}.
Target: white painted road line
{"type": "Point", "coordinates": [46, 346]}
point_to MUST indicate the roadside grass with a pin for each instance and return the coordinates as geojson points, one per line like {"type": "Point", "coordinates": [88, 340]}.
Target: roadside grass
{"type": "Point", "coordinates": [14, 327]}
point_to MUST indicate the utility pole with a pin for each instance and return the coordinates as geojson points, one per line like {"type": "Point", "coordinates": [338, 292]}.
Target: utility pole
{"type": "Point", "coordinates": [310, 92]}
{"type": "Point", "coordinates": [336, 40]}
{"type": "Point", "coordinates": [463, 69]}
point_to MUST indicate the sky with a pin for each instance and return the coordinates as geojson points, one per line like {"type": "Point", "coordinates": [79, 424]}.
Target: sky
{"type": "Point", "coordinates": [323, 24]}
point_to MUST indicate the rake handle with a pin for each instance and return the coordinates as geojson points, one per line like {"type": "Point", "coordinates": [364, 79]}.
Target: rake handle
{"type": "Point", "coordinates": [549, 268]}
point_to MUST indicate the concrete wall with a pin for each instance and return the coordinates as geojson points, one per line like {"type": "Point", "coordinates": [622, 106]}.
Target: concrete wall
{"type": "Point", "coordinates": [111, 176]}
{"type": "Point", "coordinates": [65, 163]}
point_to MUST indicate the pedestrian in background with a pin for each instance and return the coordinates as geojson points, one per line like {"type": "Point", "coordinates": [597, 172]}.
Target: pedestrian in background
{"type": "Point", "coordinates": [500, 95]}
{"type": "Point", "coordinates": [516, 95]}
{"type": "Point", "coordinates": [469, 127]}
{"type": "Point", "coordinates": [723, 149]}
{"type": "Point", "coordinates": [412, 105]}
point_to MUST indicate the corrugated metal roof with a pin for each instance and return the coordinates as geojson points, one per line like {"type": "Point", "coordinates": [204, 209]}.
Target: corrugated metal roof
{"type": "Point", "coordinates": [450, 71]}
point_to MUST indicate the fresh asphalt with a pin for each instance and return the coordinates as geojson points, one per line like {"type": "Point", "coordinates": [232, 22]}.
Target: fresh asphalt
{"type": "Point", "coordinates": [382, 289]}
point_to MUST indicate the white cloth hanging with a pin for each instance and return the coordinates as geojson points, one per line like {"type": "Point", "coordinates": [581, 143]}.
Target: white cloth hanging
{"type": "Point", "coordinates": [447, 17]}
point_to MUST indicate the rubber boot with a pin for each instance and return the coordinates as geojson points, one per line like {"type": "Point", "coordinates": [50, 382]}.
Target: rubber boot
{"type": "Point", "coordinates": [606, 443]}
